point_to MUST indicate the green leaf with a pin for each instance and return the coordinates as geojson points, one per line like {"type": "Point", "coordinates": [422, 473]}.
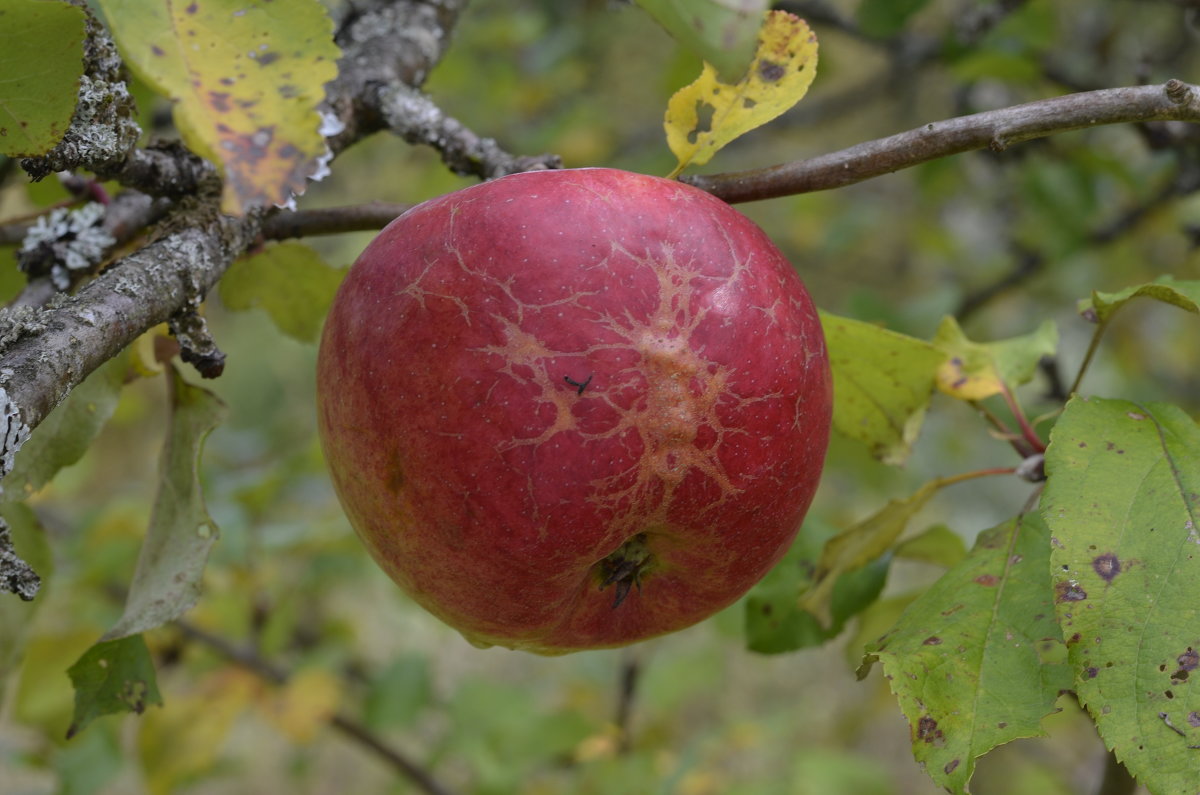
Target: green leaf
{"type": "Point", "coordinates": [16, 616]}
{"type": "Point", "coordinates": [65, 435]}
{"type": "Point", "coordinates": [41, 60]}
{"type": "Point", "coordinates": [246, 77]}
{"type": "Point", "coordinates": [721, 32]}
{"type": "Point", "coordinates": [171, 564]}
{"type": "Point", "coordinates": [977, 660]}
{"type": "Point", "coordinates": [1185, 295]}
{"type": "Point", "coordinates": [882, 383]}
{"type": "Point", "coordinates": [1122, 500]}
{"type": "Point", "coordinates": [857, 545]}
{"type": "Point", "coordinates": [290, 281]}
{"type": "Point", "coordinates": [775, 621]}
{"type": "Point", "coordinates": [112, 676]}
{"type": "Point", "coordinates": [885, 18]}
{"type": "Point", "coordinates": [938, 545]}
{"type": "Point", "coordinates": [974, 370]}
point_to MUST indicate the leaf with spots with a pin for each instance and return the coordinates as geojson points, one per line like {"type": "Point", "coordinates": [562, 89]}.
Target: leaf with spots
{"type": "Point", "coordinates": [978, 370]}
{"type": "Point", "coordinates": [290, 281]}
{"type": "Point", "coordinates": [977, 660]}
{"type": "Point", "coordinates": [705, 116]}
{"type": "Point", "coordinates": [112, 676]}
{"type": "Point", "coordinates": [246, 77]}
{"type": "Point", "coordinates": [1122, 500]}
{"type": "Point", "coordinates": [721, 32]}
{"type": "Point", "coordinates": [41, 60]}
{"type": "Point", "coordinates": [166, 582]}
{"type": "Point", "coordinates": [882, 383]}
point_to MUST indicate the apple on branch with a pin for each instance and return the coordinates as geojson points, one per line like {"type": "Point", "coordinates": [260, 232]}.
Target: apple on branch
{"type": "Point", "coordinates": [574, 409]}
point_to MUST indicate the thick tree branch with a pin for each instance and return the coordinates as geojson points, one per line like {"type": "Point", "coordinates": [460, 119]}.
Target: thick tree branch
{"type": "Point", "coordinates": [993, 129]}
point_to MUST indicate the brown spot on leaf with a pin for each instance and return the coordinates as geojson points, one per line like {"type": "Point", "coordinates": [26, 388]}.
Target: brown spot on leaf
{"type": "Point", "coordinates": [1107, 566]}
{"type": "Point", "coordinates": [268, 58]}
{"type": "Point", "coordinates": [951, 766]}
{"type": "Point", "coordinates": [1092, 672]}
{"type": "Point", "coordinates": [154, 48]}
{"type": "Point", "coordinates": [1068, 591]}
{"type": "Point", "coordinates": [1188, 661]}
{"type": "Point", "coordinates": [932, 640]}
{"type": "Point", "coordinates": [770, 71]}
{"type": "Point", "coordinates": [192, 8]}
{"type": "Point", "coordinates": [928, 731]}
{"type": "Point", "coordinates": [987, 580]}
{"type": "Point", "coordinates": [219, 101]}
{"type": "Point", "coordinates": [1193, 719]}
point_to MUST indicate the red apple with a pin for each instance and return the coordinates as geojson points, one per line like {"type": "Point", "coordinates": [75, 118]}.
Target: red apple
{"type": "Point", "coordinates": [574, 409]}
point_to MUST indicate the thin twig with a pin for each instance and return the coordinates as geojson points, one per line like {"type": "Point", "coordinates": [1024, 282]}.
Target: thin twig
{"type": "Point", "coordinates": [331, 220]}
{"type": "Point", "coordinates": [993, 129]}
{"type": "Point", "coordinates": [251, 661]}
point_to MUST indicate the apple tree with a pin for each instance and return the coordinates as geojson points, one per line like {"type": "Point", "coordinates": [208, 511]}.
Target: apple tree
{"type": "Point", "coordinates": [994, 203]}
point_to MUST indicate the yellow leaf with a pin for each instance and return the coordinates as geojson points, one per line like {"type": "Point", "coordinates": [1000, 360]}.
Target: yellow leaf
{"type": "Point", "coordinates": [183, 739]}
{"type": "Point", "coordinates": [246, 77]}
{"type": "Point", "coordinates": [975, 370]}
{"type": "Point", "coordinates": [303, 705]}
{"type": "Point", "coordinates": [704, 116]}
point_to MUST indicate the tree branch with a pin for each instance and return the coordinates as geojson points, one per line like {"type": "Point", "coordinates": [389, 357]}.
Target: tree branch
{"type": "Point", "coordinates": [993, 129]}
{"type": "Point", "coordinates": [46, 352]}
{"type": "Point", "coordinates": [413, 116]}
{"type": "Point", "coordinates": [331, 220]}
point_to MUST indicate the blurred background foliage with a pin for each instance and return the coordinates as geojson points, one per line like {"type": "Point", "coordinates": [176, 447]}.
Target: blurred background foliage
{"type": "Point", "coordinates": [1001, 240]}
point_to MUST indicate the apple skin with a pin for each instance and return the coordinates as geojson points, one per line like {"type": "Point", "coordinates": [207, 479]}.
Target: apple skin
{"type": "Point", "coordinates": [574, 409]}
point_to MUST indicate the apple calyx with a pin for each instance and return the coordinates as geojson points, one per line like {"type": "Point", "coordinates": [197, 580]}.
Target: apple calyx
{"type": "Point", "coordinates": [625, 567]}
